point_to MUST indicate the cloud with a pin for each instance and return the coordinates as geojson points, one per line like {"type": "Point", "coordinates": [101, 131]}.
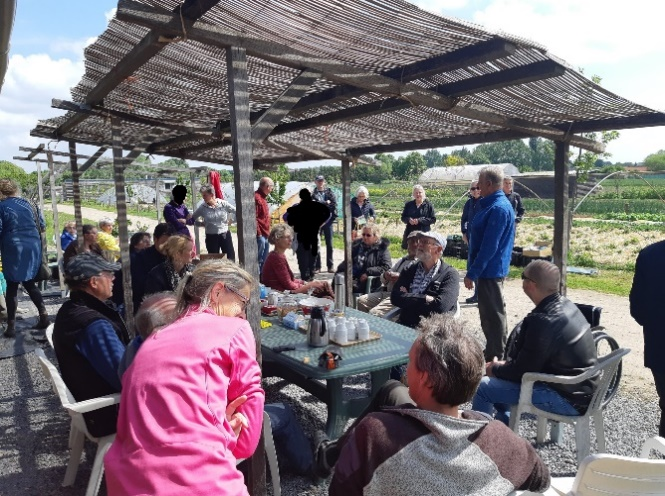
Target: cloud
{"type": "Point", "coordinates": [581, 32]}
{"type": "Point", "coordinates": [30, 84]}
{"type": "Point", "coordinates": [110, 14]}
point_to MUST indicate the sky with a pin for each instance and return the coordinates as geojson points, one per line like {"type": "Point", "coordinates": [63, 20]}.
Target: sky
{"type": "Point", "coordinates": [617, 40]}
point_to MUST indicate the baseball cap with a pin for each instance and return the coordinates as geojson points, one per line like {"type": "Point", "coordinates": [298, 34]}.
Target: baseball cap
{"type": "Point", "coordinates": [319, 178]}
{"type": "Point", "coordinates": [436, 237]}
{"type": "Point", "coordinates": [413, 234]}
{"type": "Point", "coordinates": [87, 265]}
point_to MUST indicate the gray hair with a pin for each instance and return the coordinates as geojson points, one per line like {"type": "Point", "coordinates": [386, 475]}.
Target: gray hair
{"type": "Point", "coordinates": [9, 187]}
{"type": "Point", "coordinates": [195, 288]}
{"type": "Point", "coordinates": [452, 358]}
{"type": "Point", "coordinates": [278, 232]}
{"type": "Point", "coordinates": [265, 181]}
{"type": "Point", "coordinates": [105, 221]}
{"type": "Point", "coordinates": [362, 189]}
{"type": "Point", "coordinates": [207, 188]}
{"type": "Point", "coordinates": [374, 229]}
{"type": "Point", "coordinates": [492, 173]}
{"type": "Point", "coordinates": [151, 315]}
{"type": "Point", "coordinates": [419, 187]}
{"type": "Point", "coordinates": [545, 275]}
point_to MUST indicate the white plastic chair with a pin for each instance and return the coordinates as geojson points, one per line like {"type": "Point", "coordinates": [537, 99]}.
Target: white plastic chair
{"type": "Point", "coordinates": [79, 431]}
{"type": "Point", "coordinates": [49, 335]}
{"type": "Point", "coordinates": [271, 455]}
{"type": "Point", "coordinates": [613, 475]}
{"type": "Point", "coordinates": [606, 366]}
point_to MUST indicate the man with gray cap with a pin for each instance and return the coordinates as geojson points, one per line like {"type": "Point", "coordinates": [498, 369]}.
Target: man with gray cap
{"type": "Point", "coordinates": [429, 286]}
{"type": "Point", "coordinates": [378, 302]}
{"type": "Point", "coordinates": [89, 337]}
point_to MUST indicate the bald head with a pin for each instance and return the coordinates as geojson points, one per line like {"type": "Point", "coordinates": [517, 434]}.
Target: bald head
{"type": "Point", "coordinates": [545, 275]}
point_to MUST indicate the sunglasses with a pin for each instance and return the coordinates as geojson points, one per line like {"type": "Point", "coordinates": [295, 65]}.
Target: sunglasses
{"type": "Point", "coordinates": [366, 235]}
{"type": "Point", "coordinates": [524, 277]}
{"type": "Point", "coordinates": [474, 189]}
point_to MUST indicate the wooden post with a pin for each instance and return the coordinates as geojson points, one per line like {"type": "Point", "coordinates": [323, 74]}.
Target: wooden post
{"type": "Point", "coordinates": [157, 198]}
{"type": "Point", "coordinates": [123, 233]}
{"type": "Point", "coordinates": [56, 220]}
{"type": "Point", "coordinates": [348, 225]}
{"type": "Point", "coordinates": [561, 211]}
{"type": "Point", "coordinates": [197, 242]}
{"type": "Point", "coordinates": [40, 187]}
{"type": "Point", "coordinates": [76, 191]}
{"type": "Point", "coordinates": [241, 132]}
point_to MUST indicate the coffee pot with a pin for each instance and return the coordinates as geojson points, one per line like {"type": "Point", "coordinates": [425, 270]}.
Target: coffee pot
{"type": "Point", "coordinates": [317, 333]}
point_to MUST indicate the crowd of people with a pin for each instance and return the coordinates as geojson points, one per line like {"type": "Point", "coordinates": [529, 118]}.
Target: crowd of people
{"type": "Point", "coordinates": [191, 396]}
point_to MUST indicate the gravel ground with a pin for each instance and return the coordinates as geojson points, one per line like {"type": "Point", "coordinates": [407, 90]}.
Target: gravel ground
{"type": "Point", "coordinates": [33, 445]}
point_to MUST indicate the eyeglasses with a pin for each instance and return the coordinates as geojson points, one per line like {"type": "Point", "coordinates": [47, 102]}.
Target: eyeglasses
{"type": "Point", "coordinates": [236, 291]}
{"type": "Point", "coordinates": [524, 277]}
{"type": "Point", "coordinates": [474, 189]}
{"type": "Point", "coordinates": [367, 235]}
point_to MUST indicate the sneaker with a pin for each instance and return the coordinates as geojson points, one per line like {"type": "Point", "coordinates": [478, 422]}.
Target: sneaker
{"type": "Point", "coordinates": [473, 299]}
{"type": "Point", "coordinates": [320, 467]}
{"type": "Point", "coordinates": [10, 331]}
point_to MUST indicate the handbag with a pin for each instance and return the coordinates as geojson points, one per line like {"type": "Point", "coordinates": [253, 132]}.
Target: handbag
{"type": "Point", "coordinates": [44, 271]}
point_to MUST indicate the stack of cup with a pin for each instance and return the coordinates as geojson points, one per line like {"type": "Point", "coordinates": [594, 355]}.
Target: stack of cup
{"type": "Point", "coordinates": [341, 335]}
{"type": "Point", "coordinates": [363, 330]}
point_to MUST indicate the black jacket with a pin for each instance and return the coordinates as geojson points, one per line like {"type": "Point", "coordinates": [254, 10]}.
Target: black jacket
{"type": "Point", "coordinates": [424, 213]}
{"type": "Point", "coordinates": [555, 338]}
{"type": "Point", "coordinates": [324, 197]}
{"type": "Point", "coordinates": [516, 202]}
{"type": "Point", "coordinates": [376, 262]}
{"type": "Point", "coordinates": [444, 288]}
{"type": "Point", "coordinates": [141, 264]}
{"type": "Point", "coordinates": [79, 375]}
{"type": "Point", "coordinates": [645, 302]}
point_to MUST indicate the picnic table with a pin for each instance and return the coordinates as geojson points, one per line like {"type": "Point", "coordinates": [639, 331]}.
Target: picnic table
{"type": "Point", "coordinates": [300, 366]}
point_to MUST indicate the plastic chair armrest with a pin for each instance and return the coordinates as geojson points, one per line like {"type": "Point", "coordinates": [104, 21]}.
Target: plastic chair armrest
{"type": "Point", "coordinates": [94, 403]}
{"type": "Point", "coordinates": [655, 443]}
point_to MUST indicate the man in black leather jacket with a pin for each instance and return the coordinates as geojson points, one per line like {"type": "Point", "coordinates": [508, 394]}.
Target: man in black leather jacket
{"type": "Point", "coordinates": [555, 338]}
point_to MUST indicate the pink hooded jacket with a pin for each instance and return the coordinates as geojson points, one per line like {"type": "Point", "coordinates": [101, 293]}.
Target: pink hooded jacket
{"type": "Point", "coordinates": [173, 437]}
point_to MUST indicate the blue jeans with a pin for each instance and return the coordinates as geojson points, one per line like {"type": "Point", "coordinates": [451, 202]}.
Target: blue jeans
{"type": "Point", "coordinates": [498, 394]}
{"type": "Point", "coordinates": [290, 440]}
{"type": "Point", "coordinates": [262, 245]}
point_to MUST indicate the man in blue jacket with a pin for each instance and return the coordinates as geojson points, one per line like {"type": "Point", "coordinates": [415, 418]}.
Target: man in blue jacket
{"type": "Point", "coordinates": [492, 234]}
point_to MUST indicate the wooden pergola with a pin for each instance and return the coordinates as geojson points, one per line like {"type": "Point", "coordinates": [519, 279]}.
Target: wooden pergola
{"type": "Point", "coordinates": [252, 83]}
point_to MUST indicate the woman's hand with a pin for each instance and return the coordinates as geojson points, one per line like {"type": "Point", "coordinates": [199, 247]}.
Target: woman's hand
{"type": "Point", "coordinates": [236, 420]}
{"type": "Point", "coordinates": [182, 221]}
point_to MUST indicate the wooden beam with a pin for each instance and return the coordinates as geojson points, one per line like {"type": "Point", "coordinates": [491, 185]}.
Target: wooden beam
{"type": "Point", "coordinates": [195, 190]}
{"type": "Point", "coordinates": [123, 233]}
{"type": "Point", "coordinates": [348, 258]}
{"type": "Point", "coordinates": [34, 151]}
{"type": "Point", "coordinates": [100, 111]}
{"type": "Point", "coordinates": [264, 125]}
{"type": "Point", "coordinates": [93, 159]}
{"type": "Point", "coordinates": [339, 72]}
{"type": "Point", "coordinates": [638, 121]}
{"type": "Point", "coordinates": [236, 69]}
{"type": "Point", "coordinates": [56, 222]}
{"type": "Point", "coordinates": [55, 153]}
{"type": "Point", "coordinates": [151, 44]}
{"type": "Point", "coordinates": [561, 212]}
{"type": "Point", "coordinates": [484, 51]}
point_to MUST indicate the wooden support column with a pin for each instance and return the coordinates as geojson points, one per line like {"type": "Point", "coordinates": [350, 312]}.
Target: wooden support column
{"type": "Point", "coordinates": [561, 211]}
{"type": "Point", "coordinates": [346, 201]}
{"type": "Point", "coordinates": [123, 233]}
{"type": "Point", "coordinates": [241, 132]}
{"type": "Point", "coordinates": [195, 190]}
{"type": "Point", "coordinates": [76, 190]}
{"type": "Point", "coordinates": [40, 186]}
{"type": "Point", "coordinates": [56, 220]}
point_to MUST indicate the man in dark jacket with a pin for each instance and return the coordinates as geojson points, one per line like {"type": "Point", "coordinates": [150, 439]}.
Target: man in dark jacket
{"type": "Point", "coordinates": [326, 196]}
{"type": "Point", "coordinates": [89, 338]}
{"type": "Point", "coordinates": [306, 218]}
{"type": "Point", "coordinates": [429, 286]}
{"type": "Point", "coordinates": [645, 302]}
{"type": "Point", "coordinates": [144, 261]}
{"type": "Point", "coordinates": [403, 444]}
{"type": "Point", "coordinates": [555, 338]}
{"type": "Point", "coordinates": [370, 257]}
{"type": "Point", "coordinates": [514, 199]}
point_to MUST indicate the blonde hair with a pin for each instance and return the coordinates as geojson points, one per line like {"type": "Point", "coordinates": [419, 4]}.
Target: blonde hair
{"type": "Point", "coordinates": [278, 232]}
{"type": "Point", "coordinates": [175, 245]}
{"type": "Point", "coordinates": [195, 288]}
{"type": "Point", "coordinates": [9, 187]}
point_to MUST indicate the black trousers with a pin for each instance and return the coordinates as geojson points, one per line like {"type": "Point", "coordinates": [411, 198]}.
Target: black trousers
{"type": "Point", "coordinates": [12, 297]}
{"type": "Point", "coordinates": [216, 243]}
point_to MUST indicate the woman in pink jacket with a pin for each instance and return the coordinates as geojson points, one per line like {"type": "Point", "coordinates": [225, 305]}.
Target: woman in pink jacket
{"type": "Point", "coordinates": [192, 401]}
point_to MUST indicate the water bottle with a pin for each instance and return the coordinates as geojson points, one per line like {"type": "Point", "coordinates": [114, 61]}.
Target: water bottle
{"type": "Point", "coordinates": [340, 293]}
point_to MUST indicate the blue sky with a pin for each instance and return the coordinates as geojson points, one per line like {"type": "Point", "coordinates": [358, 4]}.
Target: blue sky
{"type": "Point", "coordinates": [617, 40]}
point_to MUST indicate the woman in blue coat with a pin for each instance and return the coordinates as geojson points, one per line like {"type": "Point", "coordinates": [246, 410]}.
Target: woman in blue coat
{"type": "Point", "coordinates": [21, 248]}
